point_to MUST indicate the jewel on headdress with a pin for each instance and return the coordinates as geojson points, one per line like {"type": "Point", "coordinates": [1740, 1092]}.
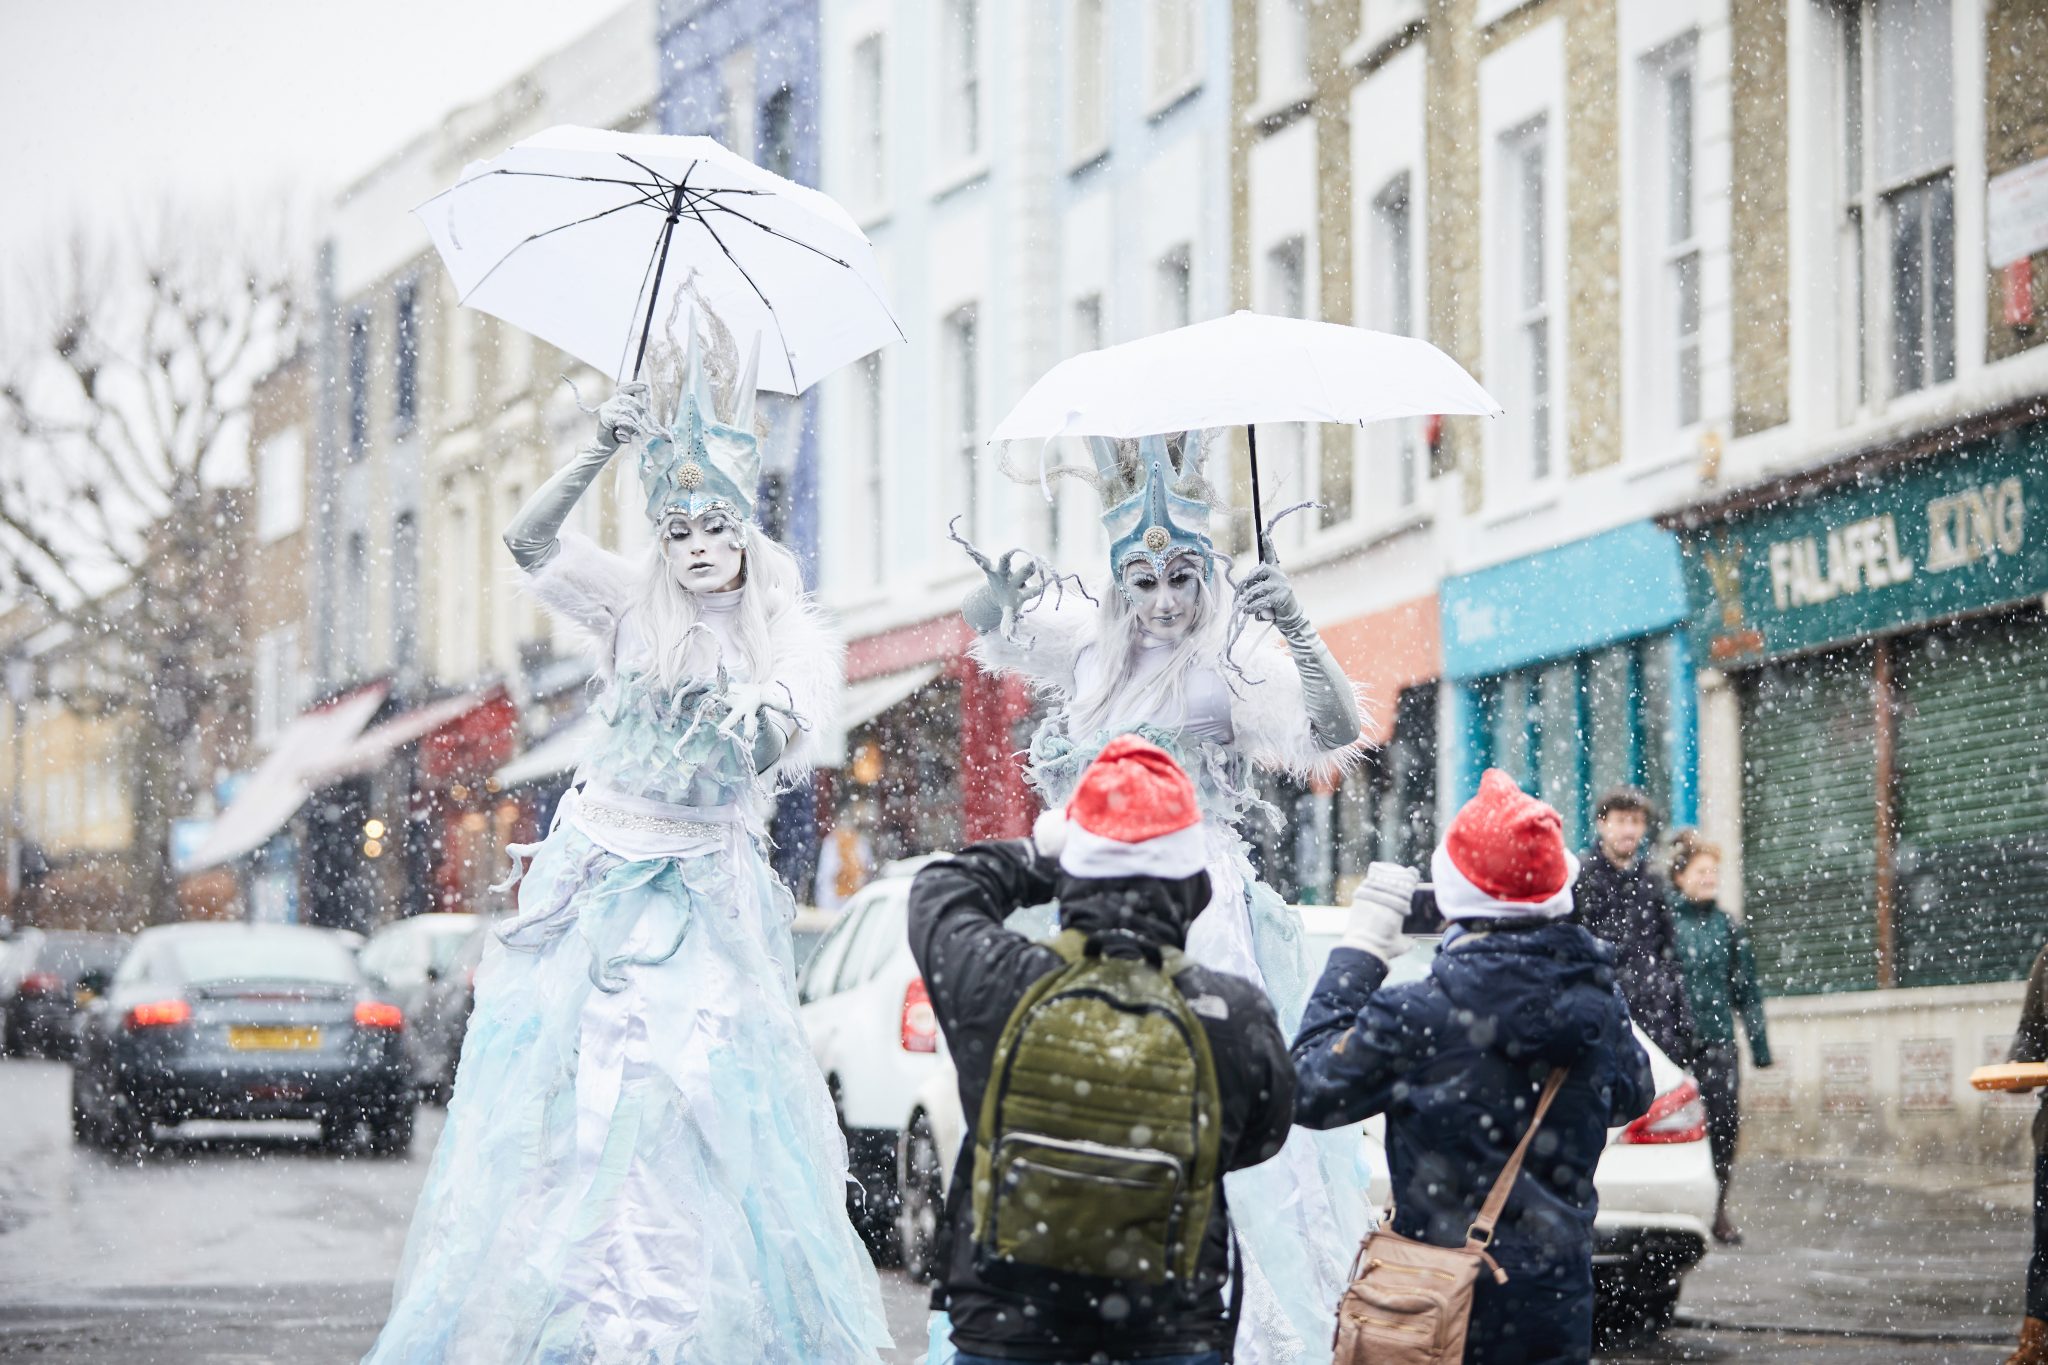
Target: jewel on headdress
{"type": "Point", "coordinates": [1157, 539]}
{"type": "Point", "coordinates": [691, 476]}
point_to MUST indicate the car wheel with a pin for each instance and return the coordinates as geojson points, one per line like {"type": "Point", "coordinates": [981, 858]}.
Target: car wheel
{"type": "Point", "coordinates": [391, 1127]}
{"type": "Point", "coordinates": [1628, 1313]}
{"type": "Point", "coordinates": [922, 1203]}
{"type": "Point", "coordinates": [124, 1131]}
{"type": "Point", "coordinates": [85, 1129]}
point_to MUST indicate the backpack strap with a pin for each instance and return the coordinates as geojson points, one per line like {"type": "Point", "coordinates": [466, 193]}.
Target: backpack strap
{"type": "Point", "coordinates": [1480, 1234]}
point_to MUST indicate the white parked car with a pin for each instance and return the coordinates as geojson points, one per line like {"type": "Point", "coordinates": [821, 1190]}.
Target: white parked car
{"type": "Point", "coordinates": [873, 1034]}
{"type": "Point", "coordinates": [1655, 1180]}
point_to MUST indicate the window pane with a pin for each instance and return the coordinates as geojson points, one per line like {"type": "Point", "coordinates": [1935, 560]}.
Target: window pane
{"type": "Point", "coordinates": [1530, 228]}
{"type": "Point", "coordinates": [1678, 147]}
{"type": "Point", "coordinates": [1685, 286]}
{"type": "Point", "coordinates": [1912, 106]}
{"type": "Point", "coordinates": [1852, 98]}
{"type": "Point", "coordinates": [1941, 280]}
{"type": "Point", "coordinates": [1090, 106]}
{"type": "Point", "coordinates": [1537, 340]}
{"type": "Point", "coordinates": [1908, 297]}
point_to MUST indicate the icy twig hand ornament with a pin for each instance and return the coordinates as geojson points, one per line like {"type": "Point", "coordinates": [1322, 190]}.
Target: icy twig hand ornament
{"type": "Point", "coordinates": [1266, 595]}
{"type": "Point", "coordinates": [532, 536]}
{"type": "Point", "coordinates": [1014, 583]}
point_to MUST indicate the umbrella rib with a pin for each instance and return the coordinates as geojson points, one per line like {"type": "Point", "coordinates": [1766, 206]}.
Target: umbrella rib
{"type": "Point", "coordinates": [546, 232]}
{"type": "Point", "coordinates": [666, 184]}
{"type": "Point", "coordinates": [774, 232]}
{"type": "Point", "coordinates": [539, 175]}
{"type": "Point", "coordinates": [780, 340]}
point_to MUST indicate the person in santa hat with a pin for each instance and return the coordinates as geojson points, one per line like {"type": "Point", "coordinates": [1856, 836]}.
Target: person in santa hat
{"type": "Point", "coordinates": [1125, 859]}
{"type": "Point", "coordinates": [1456, 1062]}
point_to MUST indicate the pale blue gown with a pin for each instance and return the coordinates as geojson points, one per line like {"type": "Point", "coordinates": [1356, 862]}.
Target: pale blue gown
{"type": "Point", "coordinates": [641, 1162]}
{"type": "Point", "coordinates": [1301, 1215]}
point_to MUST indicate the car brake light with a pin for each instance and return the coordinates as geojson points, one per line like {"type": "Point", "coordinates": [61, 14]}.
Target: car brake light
{"type": "Point", "coordinates": [920, 1025]}
{"type": "Point", "coordinates": [159, 1014]}
{"type": "Point", "coordinates": [41, 983]}
{"type": "Point", "coordinates": [1677, 1115]}
{"type": "Point", "coordinates": [377, 1014]}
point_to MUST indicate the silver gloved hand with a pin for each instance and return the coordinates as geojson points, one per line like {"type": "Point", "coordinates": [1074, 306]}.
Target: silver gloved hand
{"type": "Point", "coordinates": [1333, 718]}
{"type": "Point", "coordinates": [1379, 907]}
{"type": "Point", "coordinates": [1014, 582]}
{"type": "Point", "coordinates": [624, 417]}
{"type": "Point", "coordinates": [532, 536]}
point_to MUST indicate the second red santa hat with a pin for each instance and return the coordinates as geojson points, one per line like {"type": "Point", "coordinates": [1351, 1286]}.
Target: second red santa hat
{"type": "Point", "coordinates": [1503, 857]}
{"type": "Point", "coordinates": [1133, 814]}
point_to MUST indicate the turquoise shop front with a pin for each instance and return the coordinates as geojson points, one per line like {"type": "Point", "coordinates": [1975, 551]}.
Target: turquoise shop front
{"type": "Point", "coordinates": [1572, 670]}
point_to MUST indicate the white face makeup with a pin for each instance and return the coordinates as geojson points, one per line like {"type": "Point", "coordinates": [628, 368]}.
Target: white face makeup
{"type": "Point", "coordinates": [704, 551]}
{"type": "Point", "coordinates": [1165, 603]}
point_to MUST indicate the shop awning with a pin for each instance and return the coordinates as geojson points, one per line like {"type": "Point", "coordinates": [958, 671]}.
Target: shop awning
{"type": "Point", "coordinates": [559, 753]}
{"type": "Point", "coordinates": [1387, 652]}
{"type": "Point", "coordinates": [373, 746]}
{"type": "Point", "coordinates": [279, 786]}
{"type": "Point", "coordinates": [868, 698]}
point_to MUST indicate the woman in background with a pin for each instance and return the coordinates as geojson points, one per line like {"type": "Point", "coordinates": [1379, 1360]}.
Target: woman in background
{"type": "Point", "coordinates": [1720, 982]}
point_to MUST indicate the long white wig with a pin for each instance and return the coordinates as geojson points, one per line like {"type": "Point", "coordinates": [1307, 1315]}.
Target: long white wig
{"type": "Point", "coordinates": [771, 588]}
{"type": "Point", "coordinates": [1118, 636]}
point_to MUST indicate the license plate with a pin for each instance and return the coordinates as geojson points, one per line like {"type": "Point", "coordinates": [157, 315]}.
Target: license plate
{"type": "Point", "coordinates": [245, 1038]}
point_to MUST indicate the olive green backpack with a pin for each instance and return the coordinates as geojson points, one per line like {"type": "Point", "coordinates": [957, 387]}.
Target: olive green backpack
{"type": "Point", "coordinates": [1096, 1155]}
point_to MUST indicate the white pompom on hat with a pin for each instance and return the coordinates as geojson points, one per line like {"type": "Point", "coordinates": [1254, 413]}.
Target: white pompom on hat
{"type": "Point", "coordinates": [1503, 857]}
{"type": "Point", "coordinates": [1133, 814]}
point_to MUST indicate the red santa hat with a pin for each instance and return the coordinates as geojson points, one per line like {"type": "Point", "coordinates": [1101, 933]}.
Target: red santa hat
{"type": "Point", "coordinates": [1503, 857]}
{"type": "Point", "coordinates": [1133, 814]}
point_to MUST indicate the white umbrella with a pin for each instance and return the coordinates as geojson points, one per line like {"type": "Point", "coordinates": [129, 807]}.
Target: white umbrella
{"type": "Point", "coordinates": [1241, 370]}
{"type": "Point", "coordinates": [582, 237]}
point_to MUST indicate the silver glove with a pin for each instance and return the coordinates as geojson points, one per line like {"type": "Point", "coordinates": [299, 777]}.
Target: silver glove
{"type": "Point", "coordinates": [769, 742]}
{"type": "Point", "coordinates": [1326, 693]}
{"type": "Point", "coordinates": [1014, 582]}
{"type": "Point", "coordinates": [533, 535]}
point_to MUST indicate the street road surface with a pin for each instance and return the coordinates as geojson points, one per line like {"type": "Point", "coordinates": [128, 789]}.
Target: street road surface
{"type": "Point", "coordinates": [230, 1249]}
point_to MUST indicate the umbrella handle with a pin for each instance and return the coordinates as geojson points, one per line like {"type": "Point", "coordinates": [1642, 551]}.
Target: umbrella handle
{"type": "Point", "coordinates": [1259, 536]}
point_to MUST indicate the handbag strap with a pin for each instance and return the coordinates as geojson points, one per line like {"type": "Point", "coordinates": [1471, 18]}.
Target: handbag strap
{"type": "Point", "coordinates": [1480, 1234]}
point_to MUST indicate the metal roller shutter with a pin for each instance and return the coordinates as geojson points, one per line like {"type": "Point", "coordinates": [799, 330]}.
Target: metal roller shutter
{"type": "Point", "coordinates": [1810, 823]}
{"type": "Point", "coordinates": [1973, 801]}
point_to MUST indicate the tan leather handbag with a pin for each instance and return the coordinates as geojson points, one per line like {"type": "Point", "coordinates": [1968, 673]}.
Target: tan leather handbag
{"type": "Point", "coordinates": [1409, 1302]}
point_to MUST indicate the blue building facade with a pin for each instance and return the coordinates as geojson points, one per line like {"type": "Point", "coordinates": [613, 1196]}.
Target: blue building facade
{"type": "Point", "coordinates": [747, 73]}
{"type": "Point", "coordinates": [1571, 669]}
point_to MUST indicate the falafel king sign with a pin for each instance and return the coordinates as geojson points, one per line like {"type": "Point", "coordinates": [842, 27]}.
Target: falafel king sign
{"type": "Point", "coordinates": [1947, 535]}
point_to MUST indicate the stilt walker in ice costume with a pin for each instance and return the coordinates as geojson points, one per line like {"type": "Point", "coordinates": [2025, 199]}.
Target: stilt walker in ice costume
{"type": "Point", "coordinates": [1166, 654]}
{"type": "Point", "coordinates": [641, 1163]}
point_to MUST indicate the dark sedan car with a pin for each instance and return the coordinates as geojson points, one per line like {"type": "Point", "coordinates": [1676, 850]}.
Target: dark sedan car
{"type": "Point", "coordinates": [242, 1021]}
{"type": "Point", "coordinates": [443, 1021]}
{"type": "Point", "coordinates": [50, 974]}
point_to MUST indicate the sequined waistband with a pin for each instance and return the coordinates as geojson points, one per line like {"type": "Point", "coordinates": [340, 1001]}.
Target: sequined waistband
{"type": "Point", "coordinates": [640, 816]}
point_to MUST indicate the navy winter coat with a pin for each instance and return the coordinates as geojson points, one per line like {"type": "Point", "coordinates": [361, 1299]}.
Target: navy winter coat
{"type": "Point", "coordinates": [1456, 1061]}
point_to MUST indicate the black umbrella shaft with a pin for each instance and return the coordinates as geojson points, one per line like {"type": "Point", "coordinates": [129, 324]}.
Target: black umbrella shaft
{"type": "Point", "coordinates": [1251, 440]}
{"type": "Point", "coordinates": [668, 235]}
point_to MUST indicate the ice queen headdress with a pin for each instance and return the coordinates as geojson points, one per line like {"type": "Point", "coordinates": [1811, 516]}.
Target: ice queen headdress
{"type": "Point", "coordinates": [1155, 498]}
{"type": "Point", "coordinates": [699, 461]}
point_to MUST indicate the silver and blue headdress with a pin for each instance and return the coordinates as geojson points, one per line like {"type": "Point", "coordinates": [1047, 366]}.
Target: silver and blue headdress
{"type": "Point", "coordinates": [699, 461]}
{"type": "Point", "coordinates": [1157, 501]}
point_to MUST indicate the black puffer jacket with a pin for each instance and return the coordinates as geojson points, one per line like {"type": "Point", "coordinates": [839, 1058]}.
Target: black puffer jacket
{"type": "Point", "coordinates": [1456, 1062]}
{"type": "Point", "coordinates": [1628, 909]}
{"type": "Point", "coordinates": [976, 971]}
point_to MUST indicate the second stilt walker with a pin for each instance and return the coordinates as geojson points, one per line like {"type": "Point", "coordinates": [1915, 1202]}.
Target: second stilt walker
{"type": "Point", "coordinates": [1226, 682]}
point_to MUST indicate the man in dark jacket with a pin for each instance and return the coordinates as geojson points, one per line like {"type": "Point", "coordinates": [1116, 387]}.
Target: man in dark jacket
{"type": "Point", "coordinates": [1619, 901]}
{"type": "Point", "coordinates": [1457, 1060]}
{"type": "Point", "coordinates": [2030, 1044]}
{"type": "Point", "coordinates": [1146, 882]}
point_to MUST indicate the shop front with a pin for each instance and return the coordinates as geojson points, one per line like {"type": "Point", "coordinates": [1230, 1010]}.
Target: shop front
{"type": "Point", "coordinates": [1883, 652]}
{"type": "Point", "coordinates": [1571, 670]}
{"type": "Point", "coordinates": [1385, 808]}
